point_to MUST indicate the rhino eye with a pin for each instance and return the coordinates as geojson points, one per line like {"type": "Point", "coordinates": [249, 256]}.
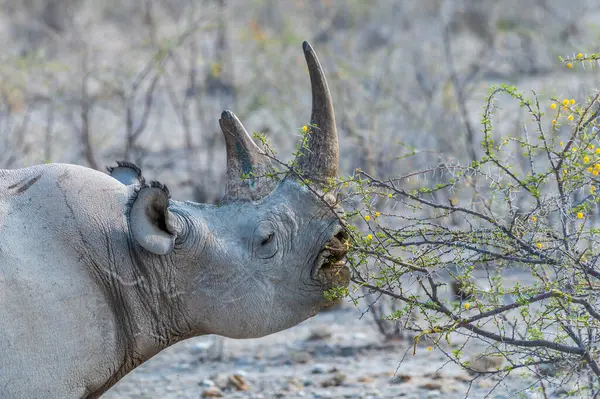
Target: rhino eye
{"type": "Point", "coordinates": [267, 239]}
{"type": "Point", "coordinates": [265, 242]}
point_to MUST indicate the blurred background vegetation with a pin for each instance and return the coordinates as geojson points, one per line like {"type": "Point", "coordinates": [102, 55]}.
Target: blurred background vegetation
{"type": "Point", "coordinates": [91, 82]}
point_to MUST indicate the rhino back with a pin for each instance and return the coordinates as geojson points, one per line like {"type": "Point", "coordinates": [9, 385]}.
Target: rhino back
{"type": "Point", "coordinates": [58, 226]}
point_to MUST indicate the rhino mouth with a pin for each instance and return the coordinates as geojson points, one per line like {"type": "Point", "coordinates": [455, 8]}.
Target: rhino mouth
{"type": "Point", "coordinates": [330, 268]}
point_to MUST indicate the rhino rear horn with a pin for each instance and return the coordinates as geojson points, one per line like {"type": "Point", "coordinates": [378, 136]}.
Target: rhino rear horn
{"type": "Point", "coordinates": [246, 165]}
{"type": "Point", "coordinates": [319, 162]}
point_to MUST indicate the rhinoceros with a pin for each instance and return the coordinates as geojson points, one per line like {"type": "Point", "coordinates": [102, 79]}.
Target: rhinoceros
{"type": "Point", "coordinates": [99, 272]}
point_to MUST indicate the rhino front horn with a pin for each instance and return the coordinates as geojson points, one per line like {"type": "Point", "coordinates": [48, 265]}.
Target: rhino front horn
{"type": "Point", "coordinates": [246, 165]}
{"type": "Point", "coordinates": [319, 160]}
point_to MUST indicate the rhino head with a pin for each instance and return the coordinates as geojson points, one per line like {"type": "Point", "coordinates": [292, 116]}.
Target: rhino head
{"type": "Point", "coordinates": [260, 261]}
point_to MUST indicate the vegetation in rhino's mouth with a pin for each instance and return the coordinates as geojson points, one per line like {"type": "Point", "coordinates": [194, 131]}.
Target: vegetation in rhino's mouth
{"type": "Point", "coordinates": [330, 267]}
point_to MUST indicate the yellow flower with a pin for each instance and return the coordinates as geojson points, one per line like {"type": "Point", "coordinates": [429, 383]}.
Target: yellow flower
{"type": "Point", "coordinates": [533, 218]}
{"type": "Point", "coordinates": [569, 65]}
{"type": "Point", "coordinates": [539, 245]}
{"type": "Point", "coordinates": [565, 102]}
{"type": "Point", "coordinates": [592, 189]}
{"type": "Point", "coordinates": [597, 166]}
{"type": "Point", "coordinates": [586, 159]}
{"type": "Point", "coordinates": [579, 215]}
{"type": "Point", "coordinates": [579, 56]}
{"type": "Point", "coordinates": [595, 172]}
{"type": "Point", "coordinates": [553, 122]}
{"type": "Point", "coordinates": [346, 184]}
{"type": "Point", "coordinates": [358, 170]}
{"type": "Point", "coordinates": [369, 237]}
{"type": "Point", "coordinates": [590, 169]}
{"type": "Point", "coordinates": [429, 348]}
{"type": "Point", "coordinates": [597, 151]}
{"type": "Point", "coordinates": [467, 306]}
{"type": "Point", "coordinates": [591, 147]}
{"type": "Point", "coordinates": [564, 171]}
{"type": "Point", "coordinates": [572, 101]}
{"type": "Point", "coordinates": [304, 129]}
{"type": "Point", "coordinates": [377, 214]}
{"type": "Point", "coordinates": [390, 195]}
{"type": "Point", "coordinates": [367, 218]}
{"type": "Point", "coordinates": [216, 69]}
{"type": "Point", "coordinates": [570, 117]}
{"type": "Point", "coordinates": [562, 144]}
{"type": "Point", "coordinates": [553, 106]}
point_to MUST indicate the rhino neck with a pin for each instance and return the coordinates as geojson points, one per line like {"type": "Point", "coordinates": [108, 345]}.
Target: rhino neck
{"type": "Point", "coordinates": [148, 305]}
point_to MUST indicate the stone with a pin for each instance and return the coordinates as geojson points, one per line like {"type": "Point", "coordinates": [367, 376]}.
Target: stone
{"type": "Point", "coordinates": [230, 382]}
{"type": "Point", "coordinates": [207, 383]}
{"type": "Point", "coordinates": [372, 394]}
{"type": "Point", "coordinates": [463, 378]}
{"type": "Point", "coordinates": [561, 391]}
{"type": "Point", "coordinates": [336, 380]}
{"type": "Point", "coordinates": [551, 369]}
{"type": "Point", "coordinates": [212, 392]}
{"type": "Point", "coordinates": [449, 386]}
{"type": "Point", "coordinates": [349, 351]}
{"type": "Point", "coordinates": [400, 379]}
{"type": "Point", "coordinates": [318, 369]}
{"type": "Point", "coordinates": [483, 363]}
{"type": "Point", "coordinates": [221, 380]}
{"type": "Point", "coordinates": [238, 382]}
{"type": "Point", "coordinates": [432, 386]}
{"type": "Point", "coordinates": [319, 334]}
{"type": "Point", "coordinates": [301, 357]}
{"type": "Point", "coordinates": [485, 383]}
{"type": "Point", "coordinates": [435, 375]}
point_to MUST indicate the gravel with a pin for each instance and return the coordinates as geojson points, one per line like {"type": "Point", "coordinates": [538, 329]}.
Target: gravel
{"type": "Point", "coordinates": [349, 360]}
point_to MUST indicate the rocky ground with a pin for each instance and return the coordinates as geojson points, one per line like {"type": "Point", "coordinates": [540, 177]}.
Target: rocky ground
{"type": "Point", "coordinates": [336, 354]}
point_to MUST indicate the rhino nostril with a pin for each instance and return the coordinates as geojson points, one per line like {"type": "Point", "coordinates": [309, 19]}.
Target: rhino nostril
{"type": "Point", "coordinates": [337, 246]}
{"type": "Point", "coordinates": [342, 235]}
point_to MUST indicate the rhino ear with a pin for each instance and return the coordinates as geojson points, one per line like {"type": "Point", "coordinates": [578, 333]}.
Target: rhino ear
{"type": "Point", "coordinates": [150, 220]}
{"type": "Point", "coordinates": [127, 173]}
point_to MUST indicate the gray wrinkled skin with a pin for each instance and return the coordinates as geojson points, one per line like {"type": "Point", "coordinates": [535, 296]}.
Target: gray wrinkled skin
{"type": "Point", "coordinates": [100, 272]}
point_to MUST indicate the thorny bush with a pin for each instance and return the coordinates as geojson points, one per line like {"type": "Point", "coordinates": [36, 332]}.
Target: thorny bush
{"type": "Point", "coordinates": [503, 253]}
